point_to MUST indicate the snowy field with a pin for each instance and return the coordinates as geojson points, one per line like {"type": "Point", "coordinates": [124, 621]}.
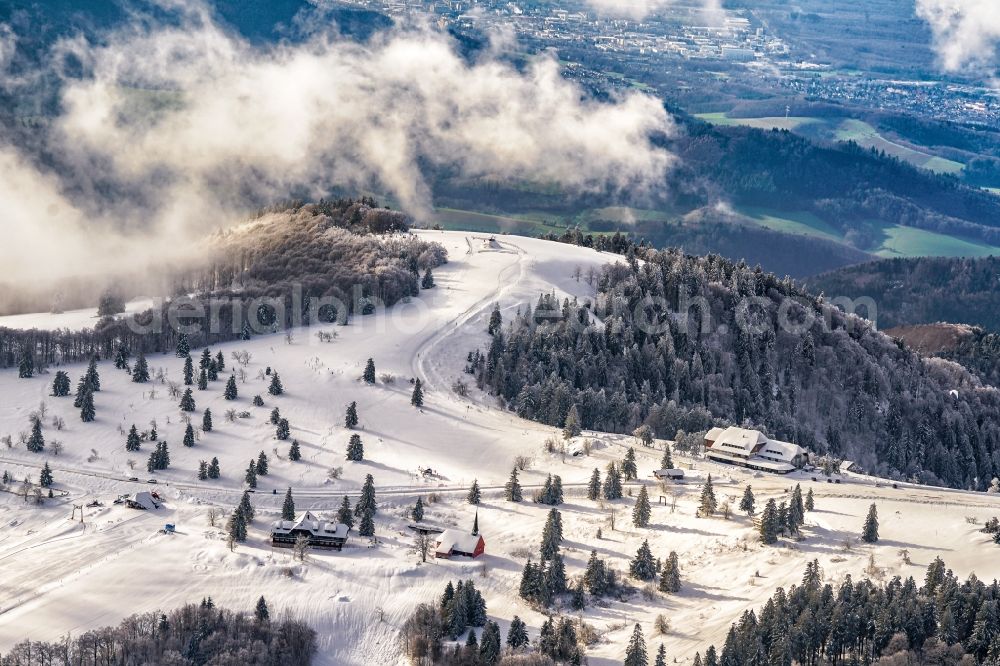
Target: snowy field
{"type": "Point", "coordinates": [59, 576]}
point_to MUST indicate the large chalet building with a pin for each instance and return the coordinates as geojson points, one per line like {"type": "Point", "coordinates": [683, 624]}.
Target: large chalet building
{"type": "Point", "coordinates": [752, 449]}
{"type": "Point", "coordinates": [321, 534]}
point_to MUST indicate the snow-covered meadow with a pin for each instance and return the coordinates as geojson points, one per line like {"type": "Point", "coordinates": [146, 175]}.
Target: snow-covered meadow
{"type": "Point", "coordinates": [59, 576]}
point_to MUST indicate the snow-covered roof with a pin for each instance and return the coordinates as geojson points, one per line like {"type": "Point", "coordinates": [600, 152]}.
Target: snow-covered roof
{"type": "Point", "coordinates": [309, 522]}
{"type": "Point", "coordinates": [671, 472]}
{"type": "Point", "coordinates": [459, 540]}
{"type": "Point", "coordinates": [713, 434]}
{"type": "Point", "coordinates": [739, 440]}
{"type": "Point", "coordinates": [144, 499]}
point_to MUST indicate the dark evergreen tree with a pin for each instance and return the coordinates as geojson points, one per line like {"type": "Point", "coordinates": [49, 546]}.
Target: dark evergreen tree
{"type": "Point", "coordinates": [282, 431]}
{"type": "Point", "coordinates": [187, 401]}
{"type": "Point", "coordinates": [351, 418]}
{"type": "Point", "coordinates": [248, 510]}
{"type": "Point", "coordinates": [474, 496]}
{"type": "Point", "coordinates": [635, 653]}
{"type": "Point", "coordinates": [294, 454]}
{"type": "Point", "coordinates": [60, 384]}
{"type": "Point", "coordinates": [810, 502]}
{"type": "Point", "coordinates": [87, 411]}
{"type": "Point", "coordinates": [263, 468]}
{"type": "Point", "coordinates": [275, 387]}
{"type": "Point", "coordinates": [366, 527]}
{"type": "Point", "coordinates": [571, 425]}
{"type": "Point", "coordinates": [490, 648]}
{"type": "Point", "coordinates": [670, 576]}
{"type": "Point", "coordinates": [188, 435]}
{"type": "Point", "coordinates": [769, 523]}
{"type": "Point", "coordinates": [213, 469]}
{"type": "Point", "coordinates": [237, 526]}
{"type": "Point", "coordinates": [275, 416]}
{"type": "Point", "coordinates": [707, 504]}
{"type": "Point", "coordinates": [643, 566]}
{"type": "Point", "coordinates": [496, 321]}
{"type": "Point", "coordinates": [206, 420]}
{"type": "Point", "coordinates": [366, 503]}
{"type": "Point", "coordinates": [140, 373]}
{"type": "Point", "coordinates": [231, 392]}
{"type": "Point", "coordinates": [355, 449]}
{"type": "Point", "coordinates": [202, 470]}
{"type": "Point", "coordinates": [92, 377]}
{"type": "Point", "coordinates": [427, 282]}
{"type": "Point", "coordinates": [258, 401]}
{"type": "Point", "coordinates": [552, 536]}
{"type": "Point", "coordinates": [748, 502]}
{"type": "Point", "coordinates": [203, 380]}
{"type": "Point", "coordinates": [661, 656]}
{"type": "Point", "coordinates": [512, 489]}
{"type": "Point", "coordinates": [369, 374]}
{"type": "Point", "coordinates": [183, 346]}
{"type": "Point", "coordinates": [345, 515]}
{"type": "Point", "coordinates": [417, 397]}
{"type": "Point", "coordinates": [594, 486]}
{"type": "Point", "coordinates": [517, 635]}
{"type": "Point", "coordinates": [288, 507]}
{"type": "Point", "coordinates": [667, 462]}
{"type": "Point", "coordinates": [260, 613]}
{"type": "Point", "coordinates": [45, 476]}
{"type": "Point", "coordinates": [133, 442]}
{"type": "Point", "coordinates": [36, 441]}
{"type": "Point", "coordinates": [220, 362]}
{"type": "Point", "coordinates": [188, 371]}
{"type": "Point", "coordinates": [250, 478]}
{"type": "Point", "coordinates": [642, 510]}
{"type": "Point", "coordinates": [417, 512]}
{"type": "Point", "coordinates": [629, 469]}
{"type": "Point", "coordinates": [612, 483]}
{"type": "Point", "coordinates": [121, 357]}
{"type": "Point", "coordinates": [869, 534]}
{"type": "Point", "coordinates": [212, 372]}
{"type": "Point", "coordinates": [206, 359]}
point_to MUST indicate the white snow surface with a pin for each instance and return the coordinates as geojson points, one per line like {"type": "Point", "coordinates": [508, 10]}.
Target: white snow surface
{"type": "Point", "coordinates": [58, 576]}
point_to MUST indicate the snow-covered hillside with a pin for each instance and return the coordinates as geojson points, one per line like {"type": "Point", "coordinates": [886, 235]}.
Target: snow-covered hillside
{"type": "Point", "coordinates": [58, 576]}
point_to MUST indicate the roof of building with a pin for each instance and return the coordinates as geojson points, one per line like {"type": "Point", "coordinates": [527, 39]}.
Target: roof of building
{"type": "Point", "coordinates": [670, 472]}
{"type": "Point", "coordinates": [144, 499]}
{"type": "Point", "coordinates": [459, 540]}
{"type": "Point", "coordinates": [309, 522]}
{"type": "Point", "coordinates": [739, 440]}
{"type": "Point", "coordinates": [713, 434]}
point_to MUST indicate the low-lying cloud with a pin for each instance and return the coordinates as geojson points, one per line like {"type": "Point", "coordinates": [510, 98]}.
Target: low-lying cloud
{"type": "Point", "coordinates": [966, 32]}
{"type": "Point", "coordinates": [185, 121]}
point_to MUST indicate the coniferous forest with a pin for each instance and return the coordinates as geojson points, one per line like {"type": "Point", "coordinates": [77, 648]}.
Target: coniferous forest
{"type": "Point", "coordinates": [827, 381]}
{"type": "Point", "coordinates": [946, 621]}
{"type": "Point", "coordinates": [192, 634]}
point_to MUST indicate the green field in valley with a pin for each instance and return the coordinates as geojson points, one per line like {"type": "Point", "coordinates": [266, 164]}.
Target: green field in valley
{"type": "Point", "coordinates": [843, 129]}
{"type": "Point", "coordinates": [896, 240]}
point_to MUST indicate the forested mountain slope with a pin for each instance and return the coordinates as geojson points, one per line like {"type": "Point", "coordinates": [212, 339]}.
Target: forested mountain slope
{"type": "Point", "coordinates": [922, 290]}
{"type": "Point", "coordinates": [755, 349]}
